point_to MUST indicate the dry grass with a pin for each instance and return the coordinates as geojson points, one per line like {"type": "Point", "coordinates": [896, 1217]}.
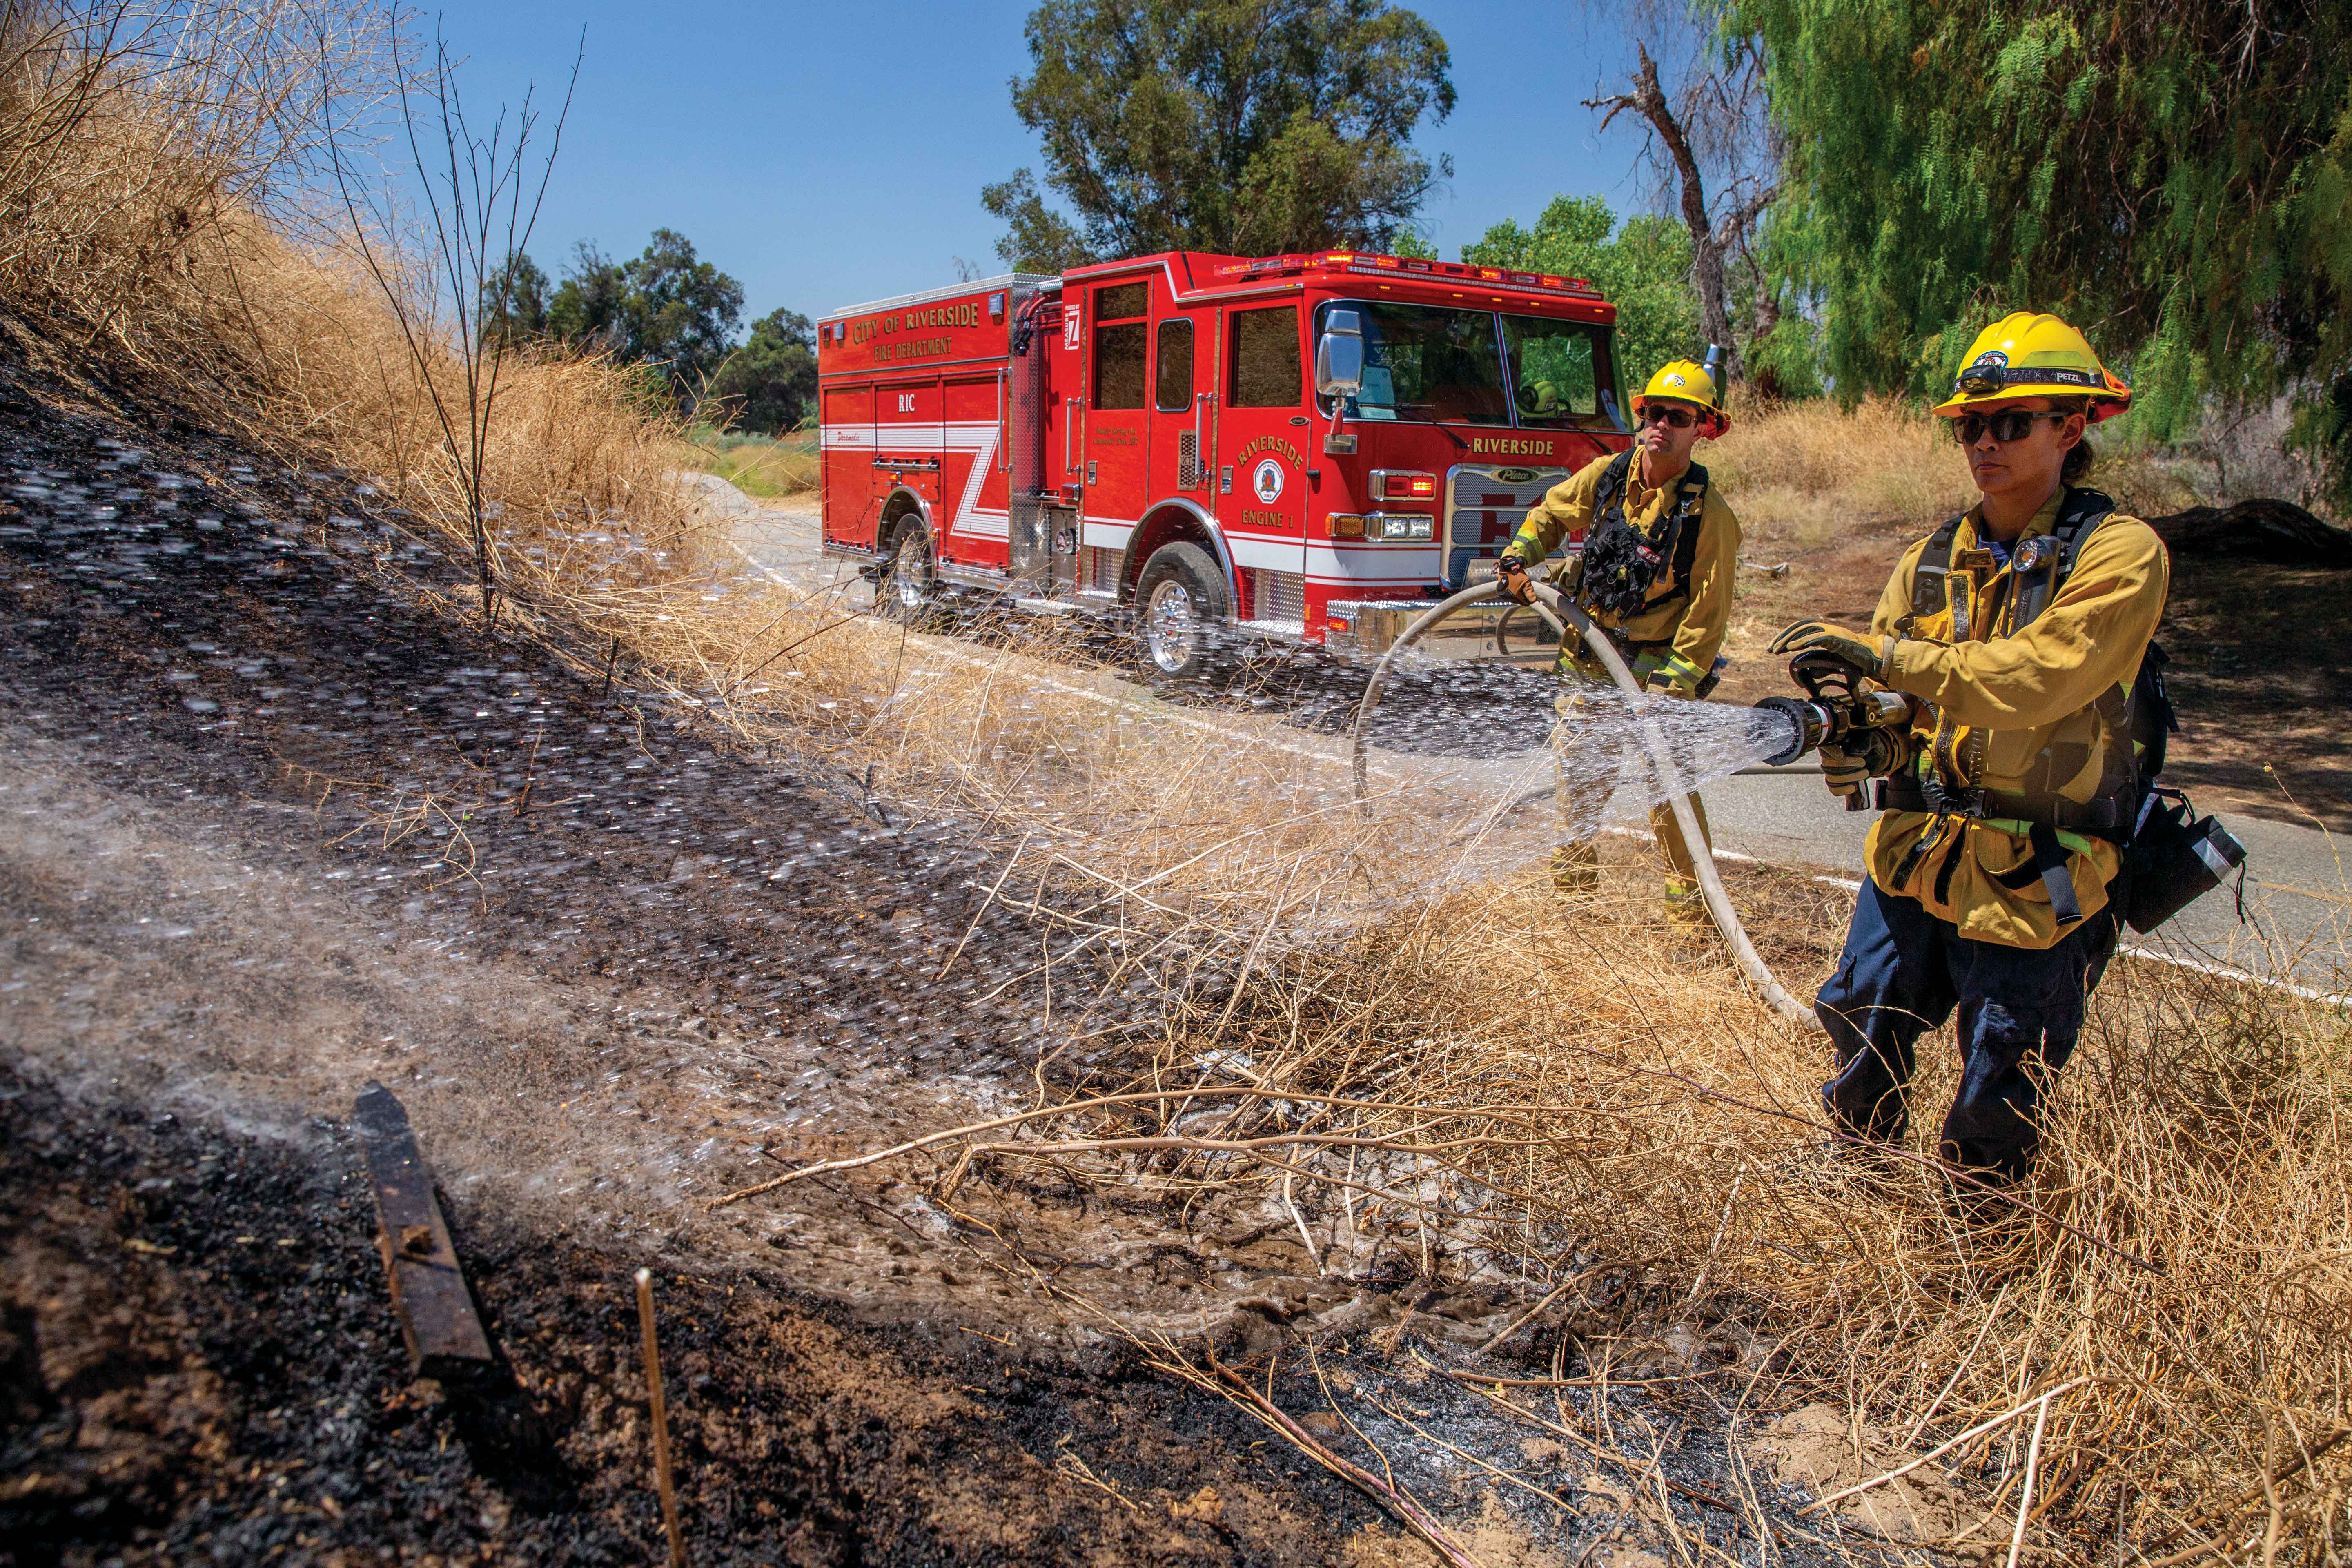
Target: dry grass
{"type": "Point", "coordinates": [2187, 1255]}
{"type": "Point", "coordinates": [761, 465]}
{"type": "Point", "coordinates": [1338, 1034]}
{"type": "Point", "coordinates": [160, 221]}
{"type": "Point", "coordinates": [1373, 1018]}
{"type": "Point", "coordinates": [1803, 474]}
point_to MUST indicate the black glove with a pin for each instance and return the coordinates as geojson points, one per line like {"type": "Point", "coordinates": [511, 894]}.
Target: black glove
{"type": "Point", "coordinates": [1859, 650]}
{"type": "Point", "coordinates": [1511, 576]}
{"type": "Point", "coordinates": [1849, 773]}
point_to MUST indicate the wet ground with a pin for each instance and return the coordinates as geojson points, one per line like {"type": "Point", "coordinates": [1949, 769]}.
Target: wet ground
{"type": "Point", "coordinates": [274, 823]}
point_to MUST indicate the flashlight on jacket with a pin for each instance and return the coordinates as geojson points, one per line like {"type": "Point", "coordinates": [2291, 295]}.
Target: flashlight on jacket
{"type": "Point", "coordinates": [1834, 709]}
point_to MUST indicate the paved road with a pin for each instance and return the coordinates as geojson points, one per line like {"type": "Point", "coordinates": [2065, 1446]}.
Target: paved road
{"type": "Point", "coordinates": [2298, 892]}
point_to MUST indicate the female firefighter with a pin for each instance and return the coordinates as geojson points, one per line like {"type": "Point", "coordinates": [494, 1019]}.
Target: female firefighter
{"type": "Point", "coordinates": [1655, 573]}
{"type": "Point", "coordinates": [2018, 632]}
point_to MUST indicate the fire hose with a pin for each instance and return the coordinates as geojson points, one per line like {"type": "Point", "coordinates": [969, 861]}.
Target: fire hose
{"type": "Point", "coordinates": [1552, 605]}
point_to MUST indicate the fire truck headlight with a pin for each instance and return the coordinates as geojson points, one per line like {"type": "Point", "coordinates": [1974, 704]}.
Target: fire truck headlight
{"type": "Point", "coordinates": [1399, 525]}
{"type": "Point", "coordinates": [1345, 525]}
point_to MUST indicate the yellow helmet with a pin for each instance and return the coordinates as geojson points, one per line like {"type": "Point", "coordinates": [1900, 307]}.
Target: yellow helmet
{"type": "Point", "coordinates": [2026, 355]}
{"type": "Point", "coordinates": [1686, 381]}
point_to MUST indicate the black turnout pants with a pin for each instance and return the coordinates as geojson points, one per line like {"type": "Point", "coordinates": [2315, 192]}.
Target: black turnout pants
{"type": "Point", "coordinates": [1902, 972]}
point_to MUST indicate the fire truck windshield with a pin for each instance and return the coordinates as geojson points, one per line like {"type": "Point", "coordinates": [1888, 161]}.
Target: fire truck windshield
{"type": "Point", "coordinates": [1429, 363]}
{"type": "Point", "coordinates": [1426, 364]}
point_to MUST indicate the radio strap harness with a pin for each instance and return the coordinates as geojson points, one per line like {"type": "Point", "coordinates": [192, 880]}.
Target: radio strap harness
{"type": "Point", "coordinates": [1621, 562]}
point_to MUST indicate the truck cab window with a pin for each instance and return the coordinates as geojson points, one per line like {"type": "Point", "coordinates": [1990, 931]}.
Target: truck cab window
{"type": "Point", "coordinates": [1559, 370]}
{"type": "Point", "coordinates": [1262, 371]}
{"type": "Point", "coordinates": [1119, 345]}
{"type": "Point", "coordinates": [1175, 367]}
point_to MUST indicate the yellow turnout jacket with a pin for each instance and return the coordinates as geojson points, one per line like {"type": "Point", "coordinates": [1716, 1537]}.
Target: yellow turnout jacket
{"type": "Point", "coordinates": [2003, 708]}
{"type": "Point", "coordinates": [1681, 627]}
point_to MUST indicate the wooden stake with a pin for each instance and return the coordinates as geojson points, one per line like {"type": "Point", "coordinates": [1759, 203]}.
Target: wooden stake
{"type": "Point", "coordinates": [661, 1418]}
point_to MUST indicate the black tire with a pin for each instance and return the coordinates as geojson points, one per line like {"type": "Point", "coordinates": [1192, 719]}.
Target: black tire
{"type": "Point", "coordinates": [909, 588]}
{"type": "Point", "coordinates": [1182, 610]}
{"type": "Point", "coordinates": [1520, 623]}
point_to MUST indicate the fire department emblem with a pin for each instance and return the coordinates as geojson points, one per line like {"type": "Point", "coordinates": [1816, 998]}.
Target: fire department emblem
{"type": "Point", "coordinates": [1266, 480]}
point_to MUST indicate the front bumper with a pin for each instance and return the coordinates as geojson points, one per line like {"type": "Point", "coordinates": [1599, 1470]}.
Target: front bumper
{"type": "Point", "coordinates": [1493, 628]}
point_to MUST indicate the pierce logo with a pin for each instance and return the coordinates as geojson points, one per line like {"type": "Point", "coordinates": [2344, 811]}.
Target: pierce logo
{"type": "Point", "coordinates": [1265, 481]}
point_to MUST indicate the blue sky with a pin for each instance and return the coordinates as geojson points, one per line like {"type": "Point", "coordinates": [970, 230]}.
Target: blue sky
{"type": "Point", "coordinates": [828, 154]}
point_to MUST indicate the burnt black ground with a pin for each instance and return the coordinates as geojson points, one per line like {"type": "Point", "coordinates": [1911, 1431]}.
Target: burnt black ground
{"type": "Point", "coordinates": [197, 1364]}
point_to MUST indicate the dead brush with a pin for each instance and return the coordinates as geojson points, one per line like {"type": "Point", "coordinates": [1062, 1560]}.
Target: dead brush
{"type": "Point", "coordinates": [1488, 1083]}
{"type": "Point", "coordinates": [1493, 1085]}
{"type": "Point", "coordinates": [1801, 473]}
{"type": "Point", "coordinates": [147, 152]}
{"type": "Point", "coordinates": [167, 217]}
{"type": "Point", "coordinates": [391, 814]}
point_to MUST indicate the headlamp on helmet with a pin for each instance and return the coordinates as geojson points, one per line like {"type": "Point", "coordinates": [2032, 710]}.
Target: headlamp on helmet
{"type": "Point", "coordinates": [2022, 355]}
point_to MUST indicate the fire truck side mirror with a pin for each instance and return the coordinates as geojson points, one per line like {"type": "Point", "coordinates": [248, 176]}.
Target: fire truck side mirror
{"type": "Point", "coordinates": [1339, 355]}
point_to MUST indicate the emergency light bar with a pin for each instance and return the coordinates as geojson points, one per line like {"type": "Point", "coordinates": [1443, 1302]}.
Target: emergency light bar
{"type": "Point", "coordinates": [1376, 266]}
{"type": "Point", "coordinates": [1541, 282]}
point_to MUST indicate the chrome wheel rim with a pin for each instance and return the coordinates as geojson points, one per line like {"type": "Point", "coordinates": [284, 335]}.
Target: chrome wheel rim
{"type": "Point", "coordinates": [1171, 628]}
{"type": "Point", "coordinates": [907, 576]}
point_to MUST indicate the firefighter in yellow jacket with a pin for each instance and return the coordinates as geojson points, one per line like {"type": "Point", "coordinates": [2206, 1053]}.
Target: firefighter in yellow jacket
{"type": "Point", "coordinates": [2018, 631]}
{"type": "Point", "coordinates": [1655, 572]}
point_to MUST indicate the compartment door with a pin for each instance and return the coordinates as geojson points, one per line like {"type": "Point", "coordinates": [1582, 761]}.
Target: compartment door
{"type": "Point", "coordinates": [1263, 430]}
{"type": "Point", "coordinates": [1116, 449]}
{"type": "Point", "coordinates": [1184, 352]}
{"type": "Point", "coordinates": [975, 470]}
{"type": "Point", "coordinates": [907, 440]}
{"type": "Point", "coordinates": [850, 504]}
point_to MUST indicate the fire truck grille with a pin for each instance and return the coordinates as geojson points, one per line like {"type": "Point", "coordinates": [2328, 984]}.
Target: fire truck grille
{"type": "Point", "coordinates": [1484, 508]}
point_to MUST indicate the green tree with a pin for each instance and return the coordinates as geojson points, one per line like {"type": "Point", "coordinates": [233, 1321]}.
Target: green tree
{"type": "Point", "coordinates": [590, 307]}
{"type": "Point", "coordinates": [1036, 238]}
{"type": "Point", "coordinates": [513, 307]}
{"type": "Point", "coordinates": [1242, 126]}
{"type": "Point", "coordinates": [772, 379]}
{"type": "Point", "coordinates": [2171, 178]}
{"type": "Point", "coordinates": [682, 312]}
{"type": "Point", "coordinates": [1642, 268]}
{"type": "Point", "coordinates": [665, 308]}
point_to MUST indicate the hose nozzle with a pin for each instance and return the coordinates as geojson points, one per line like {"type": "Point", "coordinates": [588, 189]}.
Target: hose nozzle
{"type": "Point", "coordinates": [1839, 704]}
{"type": "Point", "coordinates": [1810, 723]}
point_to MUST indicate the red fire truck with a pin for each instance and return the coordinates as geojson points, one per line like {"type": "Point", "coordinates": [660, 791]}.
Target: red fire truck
{"type": "Point", "coordinates": [1306, 446]}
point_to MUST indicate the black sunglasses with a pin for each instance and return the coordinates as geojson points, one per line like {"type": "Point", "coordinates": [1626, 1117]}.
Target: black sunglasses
{"type": "Point", "coordinates": [2009, 425]}
{"type": "Point", "coordinates": [1667, 413]}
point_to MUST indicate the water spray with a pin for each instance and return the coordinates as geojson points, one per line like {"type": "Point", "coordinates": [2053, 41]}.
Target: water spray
{"type": "Point", "coordinates": [1554, 605]}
